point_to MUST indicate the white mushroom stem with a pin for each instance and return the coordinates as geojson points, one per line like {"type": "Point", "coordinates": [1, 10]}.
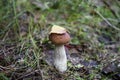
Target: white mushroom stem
{"type": "Point", "coordinates": [60, 59]}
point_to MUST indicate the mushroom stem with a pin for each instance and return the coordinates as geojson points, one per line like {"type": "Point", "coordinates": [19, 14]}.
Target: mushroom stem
{"type": "Point", "coordinates": [60, 59]}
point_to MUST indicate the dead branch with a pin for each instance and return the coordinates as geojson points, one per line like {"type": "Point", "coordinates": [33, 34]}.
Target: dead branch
{"type": "Point", "coordinates": [113, 26]}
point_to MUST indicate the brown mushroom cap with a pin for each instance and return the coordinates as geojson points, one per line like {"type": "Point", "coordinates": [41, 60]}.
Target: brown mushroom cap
{"type": "Point", "coordinates": [58, 35]}
{"type": "Point", "coordinates": [59, 39]}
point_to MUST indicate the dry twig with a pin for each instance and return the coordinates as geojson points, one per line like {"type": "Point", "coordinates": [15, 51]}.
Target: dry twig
{"type": "Point", "coordinates": [107, 21]}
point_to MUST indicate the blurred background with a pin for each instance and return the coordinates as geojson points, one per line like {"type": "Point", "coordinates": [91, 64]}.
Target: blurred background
{"type": "Point", "coordinates": [25, 49]}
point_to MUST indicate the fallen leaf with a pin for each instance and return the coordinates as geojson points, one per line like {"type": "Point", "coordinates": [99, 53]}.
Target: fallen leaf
{"type": "Point", "coordinates": [57, 29]}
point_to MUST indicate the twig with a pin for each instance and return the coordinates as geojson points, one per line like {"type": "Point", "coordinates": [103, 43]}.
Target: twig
{"type": "Point", "coordinates": [117, 2]}
{"type": "Point", "coordinates": [11, 68]}
{"type": "Point", "coordinates": [107, 21]}
{"type": "Point", "coordinates": [6, 68]}
{"type": "Point", "coordinates": [109, 6]}
{"type": "Point", "coordinates": [27, 74]}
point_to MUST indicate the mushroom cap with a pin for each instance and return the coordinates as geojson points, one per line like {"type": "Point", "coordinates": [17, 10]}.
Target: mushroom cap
{"type": "Point", "coordinates": [59, 35]}
{"type": "Point", "coordinates": [57, 29]}
{"type": "Point", "coordinates": [59, 39]}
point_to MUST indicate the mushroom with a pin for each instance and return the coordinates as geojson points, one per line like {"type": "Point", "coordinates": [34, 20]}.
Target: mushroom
{"type": "Point", "coordinates": [59, 37]}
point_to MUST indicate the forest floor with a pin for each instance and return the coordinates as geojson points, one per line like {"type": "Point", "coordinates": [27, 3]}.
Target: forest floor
{"type": "Point", "coordinates": [93, 52]}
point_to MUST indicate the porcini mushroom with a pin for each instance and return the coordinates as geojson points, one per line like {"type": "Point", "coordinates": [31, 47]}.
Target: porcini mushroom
{"type": "Point", "coordinates": [59, 37]}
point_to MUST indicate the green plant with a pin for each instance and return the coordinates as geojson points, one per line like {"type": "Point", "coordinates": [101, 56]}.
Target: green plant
{"type": "Point", "coordinates": [3, 77]}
